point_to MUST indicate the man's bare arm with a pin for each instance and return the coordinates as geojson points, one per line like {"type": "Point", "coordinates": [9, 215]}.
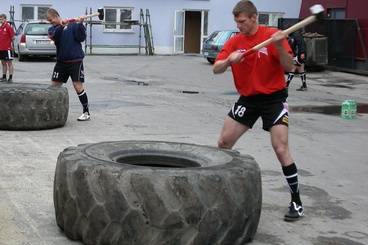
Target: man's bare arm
{"type": "Point", "coordinates": [221, 65]}
{"type": "Point", "coordinates": [286, 59]}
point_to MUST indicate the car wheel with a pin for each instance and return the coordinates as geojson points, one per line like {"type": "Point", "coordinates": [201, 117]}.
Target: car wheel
{"type": "Point", "coordinates": [211, 60]}
{"type": "Point", "coordinates": [156, 192]}
{"type": "Point", "coordinates": [27, 106]}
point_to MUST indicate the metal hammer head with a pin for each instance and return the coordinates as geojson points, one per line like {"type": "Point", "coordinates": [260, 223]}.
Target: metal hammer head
{"type": "Point", "coordinates": [101, 12]}
{"type": "Point", "coordinates": [317, 10]}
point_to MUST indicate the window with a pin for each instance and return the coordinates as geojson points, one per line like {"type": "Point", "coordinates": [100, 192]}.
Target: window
{"type": "Point", "coordinates": [269, 19]}
{"type": "Point", "coordinates": [42, 12]}
{"type": "Point", "coordinates": [34, 12]}
{"type": "Point", "coordinates": [37, 29]}
{"type": "Point", "coordinates": [27, 13]}
{"type": "Point", "coordinates": [115, 18]}
{"type": "Point", "coordinates": [336, 13]}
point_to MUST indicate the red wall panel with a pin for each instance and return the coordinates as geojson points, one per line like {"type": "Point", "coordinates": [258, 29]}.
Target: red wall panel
{"type": "Point", "coordinates": [355, 9]}
{"type": "Point", "coordinates": [306, 4]}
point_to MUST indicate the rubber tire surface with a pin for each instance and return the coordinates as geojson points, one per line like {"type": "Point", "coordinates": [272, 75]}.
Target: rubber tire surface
{"type": "Point", "coordinates": [27, 106]}
{"type": "Point", "coordinates": [101, 200]}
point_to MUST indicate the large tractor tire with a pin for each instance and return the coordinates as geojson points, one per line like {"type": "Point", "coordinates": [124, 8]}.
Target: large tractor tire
{"type": "Point", "coordinates": [26, 106]}
{"type": "Point", "coordinates": [157, 193]}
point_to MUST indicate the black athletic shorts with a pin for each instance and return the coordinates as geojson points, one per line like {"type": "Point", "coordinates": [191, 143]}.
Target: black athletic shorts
{"type": "Point", "coordinates": [6, 55]}
{"type": "Point", "coordinates": [62, 72]}
{"type": "Point", "coordinates": [272, 108]}
{"type": "Point", "coordinates": [298, 61]}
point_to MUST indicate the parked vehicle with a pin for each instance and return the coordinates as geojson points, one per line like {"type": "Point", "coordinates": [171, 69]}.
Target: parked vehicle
{"type": "Point", "coordinates": [214, 43]}
{"type": "Point", "coordinates": [32, 40]}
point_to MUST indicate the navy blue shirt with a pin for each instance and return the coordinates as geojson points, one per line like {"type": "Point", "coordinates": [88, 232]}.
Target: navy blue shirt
{"type": "Point", "coordinates": [68, 41]}
{"type": "Point", "coordinates": [297, 44]}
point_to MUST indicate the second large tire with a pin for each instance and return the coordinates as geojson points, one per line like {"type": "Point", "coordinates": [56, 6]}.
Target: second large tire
{"type": "Point", "coordinates": [156, 193]}
{"type": "Point", "coordinates": [26, 106]}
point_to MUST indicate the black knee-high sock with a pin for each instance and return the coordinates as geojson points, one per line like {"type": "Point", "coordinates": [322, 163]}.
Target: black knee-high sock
{"type": "Point", "coordinates": [84, 100]}
{"type": "Point", "coordinates": [290, 77]}
{"type": "Point", "coordinates": [291, 175]}
{"type": "Point", "coordinates": [303, 77]}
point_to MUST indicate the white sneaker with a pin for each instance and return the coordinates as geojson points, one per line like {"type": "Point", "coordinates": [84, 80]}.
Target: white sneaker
{"type": "Point", "coordinates": [84, 117]}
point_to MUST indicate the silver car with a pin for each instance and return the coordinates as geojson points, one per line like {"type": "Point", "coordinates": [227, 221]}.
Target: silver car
{"type": "Point", "coordinates": [32, 40]}
{"type": "Point", "coordinates": [214, 43]}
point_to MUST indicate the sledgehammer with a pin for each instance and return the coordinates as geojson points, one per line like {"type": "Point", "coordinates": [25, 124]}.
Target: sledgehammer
{"type": "Point", "coordinates": [100, 13]}
{"type": "Point", "coordinates": [317, 14]}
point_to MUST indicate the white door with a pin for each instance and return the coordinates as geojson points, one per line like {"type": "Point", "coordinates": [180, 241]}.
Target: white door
{"type": "Point", "coordinates": [204, 26]}
{"type": "Point", "coordinates": [179, 25]}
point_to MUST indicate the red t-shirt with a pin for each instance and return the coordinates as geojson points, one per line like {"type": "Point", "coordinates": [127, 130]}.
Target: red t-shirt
{"type": "Point", "coordinates": [260, 72]}
{"type": "Point", "coordinates": [6, 36]}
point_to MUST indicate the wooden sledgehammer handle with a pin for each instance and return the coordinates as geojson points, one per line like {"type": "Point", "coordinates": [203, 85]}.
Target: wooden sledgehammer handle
{"type": "Point", "coordinates": [81, 17]}
{"type": "Point", "coordinates": [291, 29]}
{"type": "Point", "coordinates": [100, 13]}
{"type": "Point", "coordinates": [317, 13]}
{"type": "Point", "coordinates": [90, 15]}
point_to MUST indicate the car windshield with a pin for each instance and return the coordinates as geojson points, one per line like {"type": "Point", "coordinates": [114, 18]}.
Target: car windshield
{"type": "Point", "coordinates": [219, 37]}
{"type": "Point", "coordinates": [37, 29]}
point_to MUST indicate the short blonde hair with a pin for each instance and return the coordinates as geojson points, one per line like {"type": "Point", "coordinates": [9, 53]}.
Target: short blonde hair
{"type": "Point", "coordinates": [53, 12]}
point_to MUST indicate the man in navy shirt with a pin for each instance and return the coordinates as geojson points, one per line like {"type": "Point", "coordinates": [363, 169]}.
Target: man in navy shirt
{"type": "Point", "coordinates": [297, 44]}
{"type": "Point", "coordinates": [69, 54]}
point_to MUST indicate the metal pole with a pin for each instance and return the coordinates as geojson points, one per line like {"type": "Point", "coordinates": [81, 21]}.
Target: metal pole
{"type": "Point", "coordinates": [149, 26]}
{"type": "Point", "coordinates": [90, 33]}
{"type": "Point", "coordinates": [11, 16]}
{"type": "Point", "coordinates": [12, 23]}
{"type": "Point", "coordinates": [140, 29]}
{"type": "Point", "coordinates": [85, 43]}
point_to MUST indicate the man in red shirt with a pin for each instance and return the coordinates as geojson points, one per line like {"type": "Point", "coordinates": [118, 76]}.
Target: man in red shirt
{"type": "Point", "coordinates": [6, 38]}
{"type": "Point", "coordinates": [259, 79]}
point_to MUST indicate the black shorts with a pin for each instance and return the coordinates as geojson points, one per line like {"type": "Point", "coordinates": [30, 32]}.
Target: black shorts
{"type": "Point", "coordinates": [298, 61]}
{"type": "Point", "coordinates": [6, 55]}
{"type": "Point", "coordinates": [62, 72]}
{"type": "Point", "coordinates": [273, 109]}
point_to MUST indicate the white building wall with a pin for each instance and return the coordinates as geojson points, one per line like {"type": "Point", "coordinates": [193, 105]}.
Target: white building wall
{"type": "Point", "coordinates": [162, 16]}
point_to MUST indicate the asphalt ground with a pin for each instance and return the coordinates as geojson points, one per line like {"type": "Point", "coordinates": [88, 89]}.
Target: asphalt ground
{"type": "Point", "coordinates": [142, 98]}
